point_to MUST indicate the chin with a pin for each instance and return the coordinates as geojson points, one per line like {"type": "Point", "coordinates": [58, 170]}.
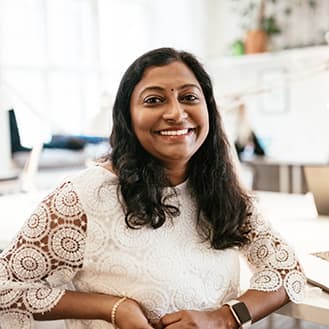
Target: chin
{"type": "Point", "coordinates": [177, 158]}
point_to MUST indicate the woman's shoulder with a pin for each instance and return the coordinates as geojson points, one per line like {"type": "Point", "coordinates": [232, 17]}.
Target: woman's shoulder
{"type": "Point", "coordinates": [107, 165]}
{"type": "Point", "coordinates": [95, 175]}
{"type": "Point", "coordinates": [95, 186]}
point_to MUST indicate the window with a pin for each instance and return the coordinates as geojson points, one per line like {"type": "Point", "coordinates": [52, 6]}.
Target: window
{"type": "Point", "coordinates": [58, 57]}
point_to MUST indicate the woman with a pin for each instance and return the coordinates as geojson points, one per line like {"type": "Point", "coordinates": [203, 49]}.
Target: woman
{"type": "Point", "coordinates": [151, 237]}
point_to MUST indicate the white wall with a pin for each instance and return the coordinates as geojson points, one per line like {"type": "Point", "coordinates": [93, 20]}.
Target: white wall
{"type": "Point", "coordinates": [180, 24]}
{"type": "Point", "coordinates": [299, 130]}
{"type": "Point", "coordinates": [222, 28]}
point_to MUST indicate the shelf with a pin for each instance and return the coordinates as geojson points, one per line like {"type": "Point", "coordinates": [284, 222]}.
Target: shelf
{"type": "Point", "coordinates": [296, 54]}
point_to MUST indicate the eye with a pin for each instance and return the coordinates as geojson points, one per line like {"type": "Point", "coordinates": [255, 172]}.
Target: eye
{"type": "Point", "coordinates": [189, 98]}
{"type": "Point", "coordinates": [150, 100]}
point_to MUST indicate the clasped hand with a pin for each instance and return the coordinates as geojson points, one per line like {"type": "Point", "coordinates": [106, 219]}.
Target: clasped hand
{"type": "Point", "coordinates": [131, 316]}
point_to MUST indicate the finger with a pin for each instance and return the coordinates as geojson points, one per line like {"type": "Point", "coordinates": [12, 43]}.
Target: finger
{"type": "Point", "coordinates": [157, 324]}
{"type": "Point", "coordinates": [149, 326]}
{"type": "Point", "coordinates": [170, 318]}
{"type": "Point", "coordinates": [175, 325]}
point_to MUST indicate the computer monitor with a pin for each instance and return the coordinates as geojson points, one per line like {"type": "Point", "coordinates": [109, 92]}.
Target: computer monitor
{"type": "Point", "coordinates": [6, 166]}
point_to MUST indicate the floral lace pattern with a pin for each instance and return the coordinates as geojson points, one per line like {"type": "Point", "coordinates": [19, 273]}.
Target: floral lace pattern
{"type": "Point", "coordinates": [165, 270]}
{"type": "Point", "coordinates": [50, 245]}
{"type": "Point", "coordinates": [275, 261]}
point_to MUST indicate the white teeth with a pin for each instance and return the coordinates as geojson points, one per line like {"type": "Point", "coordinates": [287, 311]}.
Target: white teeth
{"type": "Point", "coordinates": [174, 132]}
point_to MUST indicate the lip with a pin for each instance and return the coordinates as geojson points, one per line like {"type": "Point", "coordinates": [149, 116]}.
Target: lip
{"type": "Point", "coordinates": [175, 132]}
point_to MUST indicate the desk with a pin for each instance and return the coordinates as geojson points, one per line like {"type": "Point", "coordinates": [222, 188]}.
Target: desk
{"type": "Point", "coordinates": [44, 179]}
{"type": "Point", "coordinates": [295, 217]}
{"type": "Point", "coordinates": [42, 171]}
{"type": "Point", "coordinates": [291, 176]}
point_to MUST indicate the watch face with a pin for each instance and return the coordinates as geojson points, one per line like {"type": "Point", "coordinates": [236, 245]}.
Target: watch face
{"type": "Point", "coordinates": [242, 312]}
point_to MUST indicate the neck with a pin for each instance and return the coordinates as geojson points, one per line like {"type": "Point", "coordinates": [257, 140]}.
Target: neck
{"type": "Point", "coordinates": [176, 174]}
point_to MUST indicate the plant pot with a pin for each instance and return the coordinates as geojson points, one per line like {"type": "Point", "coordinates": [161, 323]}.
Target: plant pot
{"type": "Point", "coordinates": [255, 42]}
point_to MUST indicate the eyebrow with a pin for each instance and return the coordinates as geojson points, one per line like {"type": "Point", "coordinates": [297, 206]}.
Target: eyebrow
{"type": "Point", "coordinates": [158, 88]}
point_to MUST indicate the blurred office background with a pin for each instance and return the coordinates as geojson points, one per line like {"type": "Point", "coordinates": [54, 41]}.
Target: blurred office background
{"type": "Point", "coordinates": [61, 61]}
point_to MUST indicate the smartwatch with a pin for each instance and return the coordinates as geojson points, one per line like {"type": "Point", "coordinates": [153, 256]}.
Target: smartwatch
{"type": "Point", "coordinates": [240, 312]}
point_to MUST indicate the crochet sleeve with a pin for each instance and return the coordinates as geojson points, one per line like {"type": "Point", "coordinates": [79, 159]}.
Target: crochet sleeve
{"type": "Point", "coordinates": [42, 259]}
{"type": "Point", "coordinates": [273, 261]}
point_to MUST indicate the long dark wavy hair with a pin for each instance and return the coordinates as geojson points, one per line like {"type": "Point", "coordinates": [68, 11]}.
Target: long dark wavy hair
{"type": "Point", "coordinates": [223, 205]}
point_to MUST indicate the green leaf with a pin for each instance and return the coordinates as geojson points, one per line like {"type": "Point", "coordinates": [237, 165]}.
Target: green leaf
{"type": "Point", "coordinates": [270, 26]}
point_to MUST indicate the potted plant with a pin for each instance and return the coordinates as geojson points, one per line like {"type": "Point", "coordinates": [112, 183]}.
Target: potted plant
{"type": "Point", "coordinates": [256, 38]}
{"type": "Point", "coordinates": [261, 26]}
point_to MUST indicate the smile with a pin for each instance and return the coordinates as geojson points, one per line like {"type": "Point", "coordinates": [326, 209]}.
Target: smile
{"type": "Point", "coordinates": [175, 132]}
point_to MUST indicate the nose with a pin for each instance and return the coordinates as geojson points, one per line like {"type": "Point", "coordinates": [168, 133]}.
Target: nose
{"type": "Point", "coordinates": [175, 112]}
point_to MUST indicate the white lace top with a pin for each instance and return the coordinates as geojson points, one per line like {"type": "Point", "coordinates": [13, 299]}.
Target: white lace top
{"type": "Point", "coordinates": [78, 236]}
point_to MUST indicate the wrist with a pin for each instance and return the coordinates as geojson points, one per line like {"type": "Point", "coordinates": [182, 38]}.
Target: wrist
{"type": "Point", "coordinates": [224, 318]}
{"type": "Point", "coordinates": [114, 309]}
{"type": "Point", "coordinates": [240, 312]}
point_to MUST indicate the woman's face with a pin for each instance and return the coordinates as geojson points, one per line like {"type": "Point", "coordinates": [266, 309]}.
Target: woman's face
{"type": "Point", "coordinates": [169, 113]}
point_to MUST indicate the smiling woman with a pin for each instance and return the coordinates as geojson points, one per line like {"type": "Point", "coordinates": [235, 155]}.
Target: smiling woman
{"type": "Point", "coordinates": [150, 237]}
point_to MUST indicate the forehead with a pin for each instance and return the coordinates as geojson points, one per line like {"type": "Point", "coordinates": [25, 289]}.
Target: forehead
{"type": "Point", "coordinates": [170, 75]}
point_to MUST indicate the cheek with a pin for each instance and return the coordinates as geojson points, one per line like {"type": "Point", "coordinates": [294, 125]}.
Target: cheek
{"type": "Point", "coordinates": [142, 121]}
{"type": "Point", "coordinates": [137, 122]}
{"type": "Point", "coordinates": [204, 118]}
